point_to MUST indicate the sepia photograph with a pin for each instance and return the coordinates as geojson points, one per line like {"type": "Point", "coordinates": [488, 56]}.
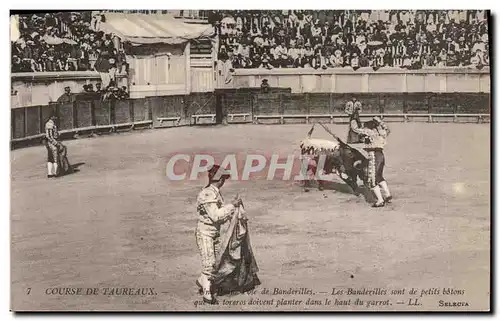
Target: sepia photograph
{"type": "Point", "coordinates": [250, 160]}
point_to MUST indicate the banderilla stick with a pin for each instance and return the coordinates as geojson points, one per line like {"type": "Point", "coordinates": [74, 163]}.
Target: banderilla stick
{"type": "Point", "coordinates": [335, 136]}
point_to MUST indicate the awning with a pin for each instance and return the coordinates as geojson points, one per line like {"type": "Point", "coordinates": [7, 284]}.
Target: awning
{"type": "Point", "coordinates": [148, 29]}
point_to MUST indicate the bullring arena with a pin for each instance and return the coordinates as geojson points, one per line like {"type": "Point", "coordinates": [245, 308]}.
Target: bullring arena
{"type": "Point", "coordinates": [118, 234]}
{"type": "Point", "coordinates": [120, 222]}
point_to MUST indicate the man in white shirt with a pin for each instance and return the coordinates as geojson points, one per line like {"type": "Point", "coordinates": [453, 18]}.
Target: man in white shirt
{"type": "Point", "coordinates": [336, 59]}
{"type": "Point", "coordinates": [294, 54]}
{"type": "Point", "coordinates": [477, 59]}
{"type": "Point", "coordinates": [281, 54]}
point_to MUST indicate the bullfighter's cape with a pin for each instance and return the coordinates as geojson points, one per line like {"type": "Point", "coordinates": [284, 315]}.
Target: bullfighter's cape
{"type": "Point", "coordinates": [237, 268]}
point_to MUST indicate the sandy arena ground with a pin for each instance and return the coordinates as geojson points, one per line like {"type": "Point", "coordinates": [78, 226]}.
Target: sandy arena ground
{"type": "Point", "coordinates": [119, 222]}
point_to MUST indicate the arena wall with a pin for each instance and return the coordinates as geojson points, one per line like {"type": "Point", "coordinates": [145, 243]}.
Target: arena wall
{"type": "Point", "coordinates": [93, 116]}
{"type": "Point", "coordinates": [436, 96]}
{"type": "Point", "coordinates": [366, 80]}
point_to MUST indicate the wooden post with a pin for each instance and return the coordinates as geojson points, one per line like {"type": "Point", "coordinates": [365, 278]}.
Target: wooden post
{"type": "Point", "coordinates": [281, 108]}
{"type": "Point", "coordinates": [41, 123]}
{"type": "Point", "coordinates": [381, 104]}
{"type": "Point", "coordinates": [13, 123]}
{"type": "Point", "coordinates": [250, 97]}
{"type": "Point", "coordinates": [308, 107]}
{"type": "Point", "coordinates": [150, 112]}
{"type": "Point", "coordinates": [455, 108]}
{"type": "Point", "coordinates": [405, 103]}
{"type": "Point", "coordinates": [131, 110]}
{"type": "Point", "coordinates": [93, 121]}
{"type": "Point", "coordinates": [187, 56]}
{"type": "Point", "coordinates": [456, 100]}
{"type": "Point", "coordinates": [426, 103]}
{"type": "Point", "coordinates": [330, 104]}
{"type": "Point", "coordinates": [92, 113]}
{"type": "Point", "coordinates": [112, 119]}
{"type": "Point", "coordinates": [75, 116]}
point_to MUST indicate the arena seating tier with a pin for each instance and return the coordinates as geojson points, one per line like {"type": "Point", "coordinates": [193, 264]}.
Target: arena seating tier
{"type": "Point", "coordinates": [411, 39]}
{"type": "Point", "coordinates": [64, 41]}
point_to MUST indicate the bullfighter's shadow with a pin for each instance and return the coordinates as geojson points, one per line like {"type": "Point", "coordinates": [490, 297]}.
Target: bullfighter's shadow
{"type": "Point", "coordinates": [362, 190]}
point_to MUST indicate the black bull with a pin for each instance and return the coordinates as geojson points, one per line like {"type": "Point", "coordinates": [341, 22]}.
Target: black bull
{"type": "Point", "coordinates": [345, 161]}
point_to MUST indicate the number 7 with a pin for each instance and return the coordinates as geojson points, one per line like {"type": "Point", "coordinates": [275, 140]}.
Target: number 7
{"type": "Point", "coordinates": [29, 290]}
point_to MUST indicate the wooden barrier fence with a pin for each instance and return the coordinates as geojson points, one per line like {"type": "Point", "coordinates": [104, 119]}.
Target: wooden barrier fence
{"type": "Point", "coordinates": [93, 116]}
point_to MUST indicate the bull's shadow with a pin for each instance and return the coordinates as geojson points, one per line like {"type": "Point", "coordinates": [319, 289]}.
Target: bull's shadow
{"type": "Point", "coordinates": [74, 168]}
{"type": "Point", "coordinates": [346, 189]}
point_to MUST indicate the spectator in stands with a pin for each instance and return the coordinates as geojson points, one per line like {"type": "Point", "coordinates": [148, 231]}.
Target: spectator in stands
{"type": "Point", "coordinates": [319, 61]}
{"type": "Point", "coordinates": [104, 66]}
{"type": "Point", "coordinates": [264, 86]}
{"type": "Point", "coordinates": [339, 59]}
{"type": "Point", "coordinates": [308, 56]}
{"type": "Point", "coordinates": [294, 55]}
{"type": "Point", "coordinates": [416, 61]}
{"type": "Point", "coordinates": [478, 59]}
{"type": "Point", "coordinates": [429, 59]}
{"type": "Point", "coordinates": [378, 60]}
{"type": "Point", "coordinates": [16, 64]}
{"type": "Point", "coordinates": [354, 61]}
{"type": "Point", "coordinates": [88, 87]}
{"type": "Point", "coordinates": [266, 61]}
{"type": "Point", "coordinates": [442, 58]}
{"type": "Point", "coordinates": [406, 62]}
{"type": "Point", "coordinates": [67, 97]}
{"type": "Point", "coordinates": [123, 93]}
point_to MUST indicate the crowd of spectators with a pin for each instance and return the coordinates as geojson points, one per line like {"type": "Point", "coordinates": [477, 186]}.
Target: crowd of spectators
{"type": "Point", "coordinates": [411, 39]}
{"type": "Point", "coordinates": [65, 41]}
{"type": "Point", "coordinates": [112, 92]}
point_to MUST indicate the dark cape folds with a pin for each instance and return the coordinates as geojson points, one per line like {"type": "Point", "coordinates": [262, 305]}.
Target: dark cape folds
{"type": "Point", "coordinates": [237, 268]}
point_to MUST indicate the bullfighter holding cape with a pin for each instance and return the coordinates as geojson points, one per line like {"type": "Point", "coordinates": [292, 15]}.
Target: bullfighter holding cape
{"type": "Point", "coordinates": [375, 133]}
{"type": "Point", "coordinates": [230, 267]}
{"type": "Point", "coordinates": [57, 159]}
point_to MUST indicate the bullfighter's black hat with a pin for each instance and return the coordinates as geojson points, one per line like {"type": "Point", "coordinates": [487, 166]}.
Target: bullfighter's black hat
{"type": "Point", "coordinates": [216, 173]}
